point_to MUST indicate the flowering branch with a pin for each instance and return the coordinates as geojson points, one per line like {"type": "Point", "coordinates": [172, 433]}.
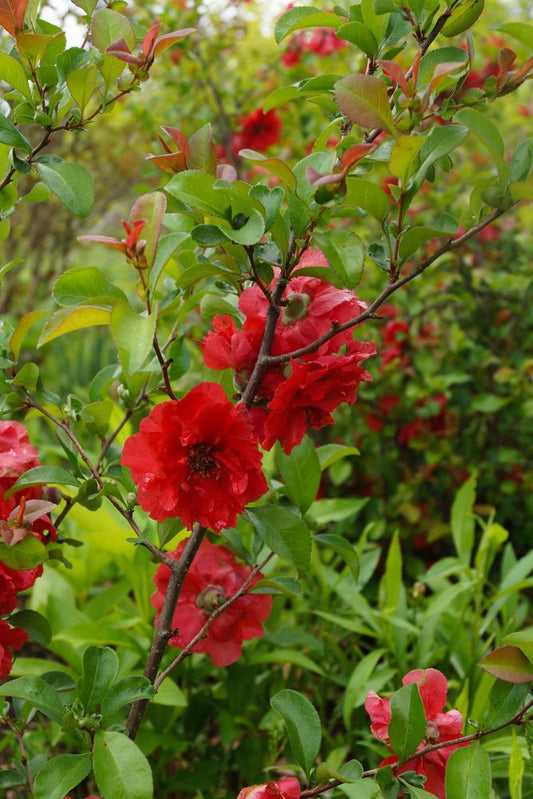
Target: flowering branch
{"type": "Point", "coordinates": [517, 719]}
{"type": "Point", "coordinates": [187, 651]}
{"type": "Point", "coordinates": [449, 246]}
{"type": "Point", "coordinates": [178, 572]}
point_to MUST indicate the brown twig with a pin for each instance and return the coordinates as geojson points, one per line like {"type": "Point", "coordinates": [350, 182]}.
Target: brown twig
{"type": "Point", "coordinates": [178, 571]}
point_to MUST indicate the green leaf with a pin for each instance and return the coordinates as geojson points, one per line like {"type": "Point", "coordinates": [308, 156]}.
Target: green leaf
{"type": "Point", "coordinates": [28, 376]}
{"type": "Point", "coordinates": [276, 98]}
{"type": "Point", "coordinates": [404, 157]}
{"type": "Point", "coordinates": [60, 774]}
{"type": "Point", "coordinates": [468, 773]}
{"type": "Point", "coordinates": [331, 453]}
{"type": "Point", "coordinates": [366, 195]}
{"type": "Point", "coordinates": [301, 473]}
{"type": "Point", "coordinates": [440, 142]}
{"type": "Point", "coordinates": [11, 136]}
{"type": "Point", "coordinates": [133, 335]}
{"type": "Point", "coordinates": [392, 579]}
{"type": "Point", "coordinates": [364, 100]}
{"type": "Point", "coordinates": [345, 252]}
{"type": "Point", "coordinates": [516, 768]}
{"type": "Point", "coordinates": [417, 236]}
{"type": "Point", "coordinates": [284, 533]}
{"type": "Point", "coordinates": [508, 663]}
{"type": "Point", "coordinates": [325, 511]}
{"type": "Point", "coordinates": [125, 691]}
{"type": "Point", "coordinates": [343, 548]}
{"type": "Point", "coordinates": [38, 693]}
{"type": "Point", "coordinates": [100, 668]}
{"type": "Point", "coordinates": [43, 475]}
{"type": "Point", "coordinates": [302, 723]}
{"type": "Point", "coordinates": [86, 284]}
{"type": "Point", "coordinates": [197, 190]}
{"type": "Point", "coordinates": [27, 554]}
{"type": "Point", "coordinates": [462, 519]}
{"type": "Point", "coordinates": [37, 626]}
{"type": "Point", "coordinates": [66, 320]}
{"type": "Point", "coordinates": [360, 35]}
{"type": "Point", "coordinates": [249, 233]}
{"type": "Point", "coordinates": [81, 84]}
{"type": "Point", "coordinates": [72, 183]}
{"type": "Point", "coordinates": [488, 134]}
{"type": "Point", "coordinates": [305, 17]}
{"type": "Point", "coordinates": [120, 768]}
{"type": "Point", "coordinates": [357, 688]}
{"type": "Point", "coordinates": [202, 154]}
{"type": "Point", "coordinates": [523, 640]}
{"type": "Point", "coordinates": [109, 26]}
{"type": "Point", "coordinates": [407, 727]}
{"type": "Point", "coordinates": [12, 72]}
{"type": "Point", "coordinates": [520, 31]}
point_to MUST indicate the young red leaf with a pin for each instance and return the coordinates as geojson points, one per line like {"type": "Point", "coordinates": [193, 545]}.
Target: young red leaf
{"type": "Point", "coordinates": [149, 39]}
{"type": "Point", "coordinates": [355, 153]}
{"type": "Point", "coordinates": [364, 100]}
{"type": "Point", "coordinates": [396, 73]}
{"type": "Point", "coordinates": [12, 15]}
{"type": "Point", "coordinates": [168, 39]}
{"type": "Point", "coordinates": [508, 663]}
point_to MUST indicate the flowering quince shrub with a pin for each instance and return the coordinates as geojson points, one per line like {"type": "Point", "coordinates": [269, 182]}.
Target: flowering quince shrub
{"type": "Point", "coordinates": [259, 323]}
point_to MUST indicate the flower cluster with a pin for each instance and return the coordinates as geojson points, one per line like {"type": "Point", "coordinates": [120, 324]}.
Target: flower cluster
{"type": "Point", "coordinates": [21, 514]}
{"type": "Point", "coordinates": [322, 42]}
{"type": "Point", "coordinates": [287, 788]}
{"type": "Point", "coordinates": [214, 577]}
{"type": "Point", "coordinates": [258, 131]}
{"type": "Point", "coordinates": [433, 687]}
{"type": "Point", "coordinates": [292, 399]}
{"type": "Point", "coordinates": [196, 459]}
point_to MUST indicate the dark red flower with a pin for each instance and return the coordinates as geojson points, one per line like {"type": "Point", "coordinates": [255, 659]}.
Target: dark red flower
{"type": "Point", "coordinates": [258, 131]}
{"type": "Point", "coordinates": [11, 639]}
{"type": "Point", "coordinates": [197, 459]}
{"type": "Point", "coordinates": [287, 788]}
{"type": "Point", "coordinates": [313, 390]}
{"type": "Point", "coordinates": [214, 577]}
{"type": "Point", "coordinates": [441, 726]}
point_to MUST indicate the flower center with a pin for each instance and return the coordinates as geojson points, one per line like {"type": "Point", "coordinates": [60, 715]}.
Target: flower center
{"type": "Point", "coordinates": [295, 308]}
{"type": "Point", "coordinates": [210, 599]}
{"type": "Point", "coordinates": [432, 732]}
{"type": "Point", "coordinates": [201, 460]}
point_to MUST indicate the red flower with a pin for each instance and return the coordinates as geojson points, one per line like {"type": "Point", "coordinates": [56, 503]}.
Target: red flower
{"type": "Point", "coordinates": [312, 305]}
{"type": "Point", "coordinates": [258, 131]}
{"type": "Point", "coordinates": [214, 577]}
{"type": "Point", "coordinates": [197, 459]}
{"type": "Point", "coordinates": [17, 455]}
{"type": "Point", "coordinates": [288, 788]}
{"type": "Point", "coordinates": [11, 638]}
{"type": "Point", "coordinates": [433, 687]}
{"type": "Point", "coordinates": [313, 390]}
{"type": "Point", "coordinates": [323, 42]}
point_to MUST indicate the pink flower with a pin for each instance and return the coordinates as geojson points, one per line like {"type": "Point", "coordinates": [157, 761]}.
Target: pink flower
{"type": "Point", "coordinates": [287, 788]}
{"type": "Point", "coordinates": [214, 577]}
{"type": "Point", "coordinates": [441, 726]}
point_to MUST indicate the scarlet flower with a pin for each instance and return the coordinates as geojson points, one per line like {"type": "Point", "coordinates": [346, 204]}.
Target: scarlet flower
{"type": "Point", "coordinates": [313, 390]}
{"type": "Point", "coordinates": [287, 788]}
{"type": "Point", "coordinates": [433, 687]}
{"type": "Point", "coordinates": [259, 131]}
{"type": "Point", "coordinates": [17, 454]}
{"type": "Point", "coordinates": [214, 577]}
{"type": "Point", "coordinates": [197, 459]}
{"type": "Point", "coordinates": [11, 639]}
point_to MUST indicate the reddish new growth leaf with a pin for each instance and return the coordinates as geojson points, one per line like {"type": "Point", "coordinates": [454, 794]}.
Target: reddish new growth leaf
{"type": "Point", "coordinates": [152, 46]}
{"type": "Point", "coordinates": [12, 14]}
{"type": "Point", "coordinates": [131, 246]}
{"type": "Point", "coordinates": [214, 577]}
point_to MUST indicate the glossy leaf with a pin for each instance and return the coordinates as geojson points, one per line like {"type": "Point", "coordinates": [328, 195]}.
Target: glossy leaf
{"type": "Point", "coordinates": [523, 639]}
{"type": "Point", "coordinates": [305, 17]}
{"type": "Point", "coordinates": [468, 773]}
{"type": "Point", "coordinates": [133, 335]}
{"type": "Point", "coordinates": [404, 157]}
{"type": "Point", "coordinates": [366, 195]}
{"type": "Point", "coordinates": [11, 136]}
{"type": "Point", "coordinates": [72, 183]}
{"type": "Point", "coordinates": [301, 472]}
{"type": "Point", "coordinates": [67, 320]}
{"type": "Point", "coordinates": [100, 668]}
{"type": "Point", "coordinates": [120, 768]}
{"type": "Point", "coordinates": [364, 100]}
{"type": "Point", "coordinates": [38, 693]}
{"type": "Point", "coordinates": [12, 72]}
{"type": "Point", "coordinates": [462, 519]}
{"type": "Point", "coordinates": [283, 532]}
{"type": "Point", "coordinates": [60, 774]}
{"type": "Point", "coordinates": [125, 691]}
{"type": "Point", "coordinates": [86, 284]}
{"type": "Point", "coordinates": [150, 207]}
{"type": "Point", "coordinates": [43, 475]}
{"type": "Point", "coordinates": [407, 727]}
{"type": "Point", "coordinates": [360, 35]}
{"type": "Point", "coordinates": [27, 554]}
{"type": "Point", "coordinates": [82, 83]}
{"type": "Point", "coordinates": [508, 663]}
{"type": "Point", "coordinates": [345, 252]}
{"type": "Point", "coordinates": [302, 723]}
{"type": "Point", "coordinates": [36, 625]}
{"type": "Point", "coordinates": [109, 26]}
{"type": "Point", "coordinates": [343, 548]}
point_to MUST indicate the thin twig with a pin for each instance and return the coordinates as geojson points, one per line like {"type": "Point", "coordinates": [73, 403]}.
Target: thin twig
{"type": "Point", "coordinates": [188, 650]}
